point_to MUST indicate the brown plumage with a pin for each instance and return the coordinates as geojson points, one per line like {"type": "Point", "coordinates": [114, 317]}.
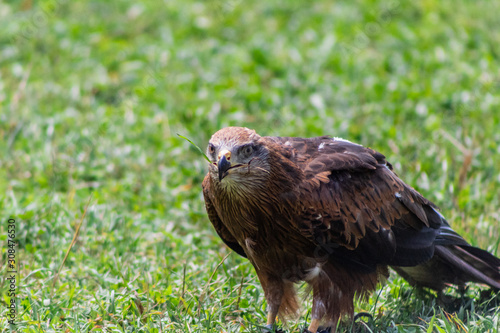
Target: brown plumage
{"type": "Point", "coordinates": [331, 213]}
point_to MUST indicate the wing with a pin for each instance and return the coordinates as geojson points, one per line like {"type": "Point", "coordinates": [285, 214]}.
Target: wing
{"type": "Point", "coordinates": [221, 230]}
{"type": "Point", "coordinates": [355, 206]}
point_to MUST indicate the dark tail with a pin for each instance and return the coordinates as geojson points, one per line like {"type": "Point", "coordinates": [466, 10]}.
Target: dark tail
{"type": "Point", "coordinates": [454, 264]}
{"type": "Point", "coordinates": [470, 264]}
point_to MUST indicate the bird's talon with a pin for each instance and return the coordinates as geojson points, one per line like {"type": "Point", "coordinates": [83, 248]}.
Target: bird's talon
{"type": "Point", "coordinates": [362, 314]}
{"type": "Point", "coordinates": [271, 329]}
{"type": "Point", "coordinates": [267, 328]}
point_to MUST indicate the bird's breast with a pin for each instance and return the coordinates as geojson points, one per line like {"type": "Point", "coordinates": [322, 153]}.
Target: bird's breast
{"type": "Point", "coordinates": [276, 260]}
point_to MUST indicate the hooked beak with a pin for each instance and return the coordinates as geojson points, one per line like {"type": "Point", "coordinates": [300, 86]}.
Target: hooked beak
{"type": "Point", "coordinates": [223, 166]}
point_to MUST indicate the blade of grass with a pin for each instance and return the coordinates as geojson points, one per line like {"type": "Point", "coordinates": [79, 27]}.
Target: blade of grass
{"type": "Point", "coordinates": [430, 329]}
{"type": "Point", "coordinates": [75, 236]}
{"type": "Point", "coordinates": [199, 149]}
{"type": "Point", "coordinates": [205, 290]}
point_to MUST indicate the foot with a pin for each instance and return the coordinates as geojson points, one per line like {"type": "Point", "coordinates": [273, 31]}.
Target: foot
{"type": "Point", "coordinates": [362, 314]}
{"type": "Point", "coordinates": [271, 329]}
{"type": "Point", "coordinates": [320, 330]}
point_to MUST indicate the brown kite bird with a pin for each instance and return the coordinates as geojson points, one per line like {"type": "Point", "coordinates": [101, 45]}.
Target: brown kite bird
{"type": "Point", "coordinates": [331, 213]}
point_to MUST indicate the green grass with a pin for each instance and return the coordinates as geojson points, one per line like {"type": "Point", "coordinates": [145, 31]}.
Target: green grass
{"type": "Point", "coordinates": [92, 95]}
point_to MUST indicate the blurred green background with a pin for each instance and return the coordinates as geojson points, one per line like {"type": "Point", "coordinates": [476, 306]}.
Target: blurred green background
{"type": "Point", "coordinates": [92, 95]}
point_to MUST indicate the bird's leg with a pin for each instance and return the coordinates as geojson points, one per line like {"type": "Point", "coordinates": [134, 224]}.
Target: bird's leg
{"type": "Point", "coordinates": [271, 317]}
{"type": "Point", "coordinates": [274, 290]}
{"type": "Point", "coordinates": [318, 310]}
{"type": "Point", "coordinates": [273, 297]}
{"type": "Point", "coordinates": [319, 307]}
{"type": "Point", "coordinates": [313, 327]}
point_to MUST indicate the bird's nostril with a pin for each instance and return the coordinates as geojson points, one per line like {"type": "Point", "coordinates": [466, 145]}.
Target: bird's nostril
{"type": "Point", "coordinates": [225, 153]}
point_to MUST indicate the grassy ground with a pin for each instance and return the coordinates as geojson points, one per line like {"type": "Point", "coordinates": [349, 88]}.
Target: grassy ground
{"type": "Point", "coordinates": [93, 93]}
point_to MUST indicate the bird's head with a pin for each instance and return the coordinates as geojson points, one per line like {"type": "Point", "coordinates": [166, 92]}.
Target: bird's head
{"type": "Point", "coordinates": [239, 157]}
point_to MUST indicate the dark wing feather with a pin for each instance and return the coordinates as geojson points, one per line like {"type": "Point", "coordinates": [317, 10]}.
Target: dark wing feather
{"type": "Point", "coordinates": [351, 198]}
{"type": "Point", "coordinates": [221, 230]}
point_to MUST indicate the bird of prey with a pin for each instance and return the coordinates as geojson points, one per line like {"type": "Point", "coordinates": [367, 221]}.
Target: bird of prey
{"type": "Point", "coordinates": [334, 214]}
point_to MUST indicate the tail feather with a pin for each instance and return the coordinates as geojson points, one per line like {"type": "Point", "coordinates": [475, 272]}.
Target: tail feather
{"type": "Point", "coordinates": [476, 265]}
{"type": "Point", "coordinates": [454, 261]}
{"type": "Point", "coordinates": [454, 264]}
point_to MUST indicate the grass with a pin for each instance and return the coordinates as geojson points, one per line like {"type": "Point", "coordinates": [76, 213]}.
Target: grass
{"type": "Point", "coordinates": [93, 93]}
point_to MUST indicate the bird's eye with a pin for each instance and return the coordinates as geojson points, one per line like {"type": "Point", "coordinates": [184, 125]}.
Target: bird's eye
{"type": "Point", "coordinates": [211, 148]}
{"type": "Point", "coordinates": [247, 150]}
